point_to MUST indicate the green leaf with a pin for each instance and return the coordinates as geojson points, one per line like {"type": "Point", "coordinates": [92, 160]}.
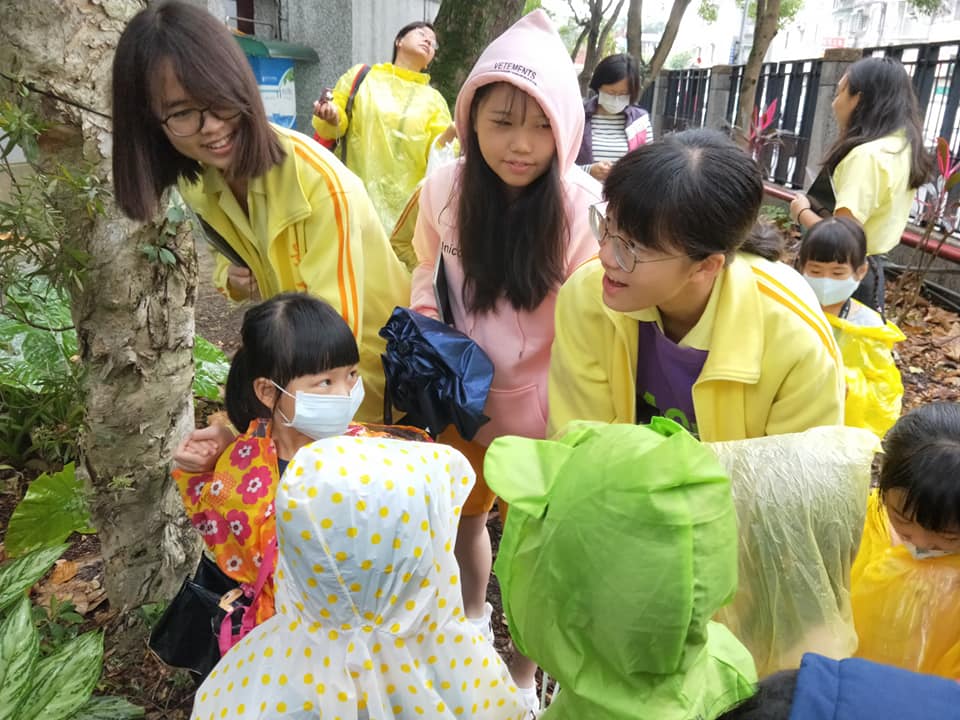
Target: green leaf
{"type": "Point", "coordinates": [167, 257]}
{"type": "Point", "coordinates": [952, 181]}
{"type": "Point", "coordinates": [63, 682]}
{"type": "Point", "coordinates": [212, 368]}
{"type": "Point", "coordinates": [53, 508]}
{"type": "Point", "coordinates": [175, 214]}
{"type": "Point", "coordinates": [19, 651]}
{"type": "Point", "coordinates": [108, 708]}
{"type": "Point", "coordinates": [17, 576]}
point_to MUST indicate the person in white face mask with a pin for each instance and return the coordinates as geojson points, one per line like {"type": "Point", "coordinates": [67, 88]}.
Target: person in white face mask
{"type": "Point", "coordinates": [614, 125]}
{"type": "Point", "coordinates": [905, 578]}
{"type": "Point", "coordinates": [293, 380]}
{"type": "Point", "coordinates": [833, 261]}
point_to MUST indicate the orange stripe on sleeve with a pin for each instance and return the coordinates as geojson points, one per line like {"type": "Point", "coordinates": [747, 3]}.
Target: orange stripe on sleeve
{"type": "Point", "coordinates": [345, 273]}
{"type": "Point", "coordinates": [787, 292]}
{"type": "Point", "coordinates": [825, 338]}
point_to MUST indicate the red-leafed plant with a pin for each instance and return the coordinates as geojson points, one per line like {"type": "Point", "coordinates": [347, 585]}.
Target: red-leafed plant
{"type": "Point", "coordinates": [759, 136]}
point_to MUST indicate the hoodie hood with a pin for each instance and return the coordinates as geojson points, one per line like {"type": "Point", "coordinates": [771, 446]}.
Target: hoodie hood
{"type": "Point", "coordinates": [620, 545]}
{"type": "Point", "coordinates": [531, 56]}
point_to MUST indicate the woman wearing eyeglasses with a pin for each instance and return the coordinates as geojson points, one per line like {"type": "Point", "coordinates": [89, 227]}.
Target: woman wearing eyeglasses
{"type": "Point", "coordinates": [678, 317]}
{"type": "Point", "coordinates": [187, 111]}
{"type": "Point", "coordinates": [395, 120]}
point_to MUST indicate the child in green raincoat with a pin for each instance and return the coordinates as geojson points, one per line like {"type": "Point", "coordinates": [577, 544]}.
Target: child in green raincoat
{"type": "Point", "coordinates": [833, 260]}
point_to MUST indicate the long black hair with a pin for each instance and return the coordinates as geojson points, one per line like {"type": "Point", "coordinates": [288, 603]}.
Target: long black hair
{"type": "Point", "coordinates": [695, 191]}
{"type": "Point", "coordinates": [286, 337]}
{"type": "Point", "coordinates": [512, 248]}
{"type": "Point", "coordinates": [887, 104]}
{"type": "Point", "coordinates": [210, 66]}
{"type": "Point", "coordinates": [922, 458]}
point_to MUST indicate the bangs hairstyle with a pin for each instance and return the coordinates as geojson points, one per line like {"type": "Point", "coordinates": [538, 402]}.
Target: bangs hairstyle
{"type": "Point", "coordinates": [695, 191]}
{"type": "Point", "coordinates": [887, 104]}
{"type": "Point", "coordinates": [512, 248]}
{"type": "Point", "coordinates": [613, 69]}
{"type": "Point", "coordinates": [210, 66]}
{"type": "Point", "coordinates": [922, 458]}
{"type": "Point", "coordinates": [836, 239]}
{"type": "Point", "coordinates": [286, 337]}
{"type": "Point", "coordinates": [410, 27]}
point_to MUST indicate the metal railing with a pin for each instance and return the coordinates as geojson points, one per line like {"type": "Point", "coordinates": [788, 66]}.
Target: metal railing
{"type": "Point", "coordinates": [686, 99]}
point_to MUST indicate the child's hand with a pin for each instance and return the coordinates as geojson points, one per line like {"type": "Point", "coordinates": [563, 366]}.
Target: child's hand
{"type": "Point", "coordinates": [198, 452]}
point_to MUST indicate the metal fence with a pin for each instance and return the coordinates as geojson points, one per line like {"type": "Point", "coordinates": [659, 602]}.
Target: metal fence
{"type": "Point", "coordinates": [686, 99]}
{"type": "Point", "coordinates": [936, 80]}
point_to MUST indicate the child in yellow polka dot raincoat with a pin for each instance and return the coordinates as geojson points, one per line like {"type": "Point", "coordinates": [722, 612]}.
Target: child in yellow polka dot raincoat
{"type": "Point", "coordinates": [369, 622]}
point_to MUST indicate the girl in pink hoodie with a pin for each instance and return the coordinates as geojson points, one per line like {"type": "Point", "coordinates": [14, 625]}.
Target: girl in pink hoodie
{"type": "Point", "coordinates": [509, 223]}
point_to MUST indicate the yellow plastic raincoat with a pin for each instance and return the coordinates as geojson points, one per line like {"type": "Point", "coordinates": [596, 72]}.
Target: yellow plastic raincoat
{"type": "Point", "coordinates": [874, 387]}
{"type": "Point", "coordinates": [800, 501]}
{"type": "Point", "coordinates": [395, 120]}
{"type": "Point", "coordinates": [905, 610]}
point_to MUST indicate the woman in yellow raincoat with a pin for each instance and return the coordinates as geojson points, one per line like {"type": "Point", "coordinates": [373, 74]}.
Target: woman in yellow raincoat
{"type": "Point", "coordinates": [833, 259]}
{"type": "Point", "coordinates": [395, 120]}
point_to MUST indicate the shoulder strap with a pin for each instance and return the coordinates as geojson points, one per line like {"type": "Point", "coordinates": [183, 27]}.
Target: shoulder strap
{"type": "Point", "coordinates": [361, 74]}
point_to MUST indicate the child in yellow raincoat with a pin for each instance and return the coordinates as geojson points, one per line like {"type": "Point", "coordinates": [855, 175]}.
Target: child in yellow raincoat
{"type": "Point", "coordinates": [906, 575]}
{"type": "Point", "coordinates": [833, 259]}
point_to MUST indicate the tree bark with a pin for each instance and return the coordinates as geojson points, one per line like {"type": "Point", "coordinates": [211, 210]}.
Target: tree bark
{"type": "Point", "coordinates": [464, 28]}
{"type": "Point", "coordinates": [635, 31]}
{"type": "Point", "coordinates": [134, 318]}
{"type": "Point", "coordinates": [597, 33]}
{"type": "Point", "coordinates": [666, 42]}
{"type": "Point", "coordinates": [768, 17]}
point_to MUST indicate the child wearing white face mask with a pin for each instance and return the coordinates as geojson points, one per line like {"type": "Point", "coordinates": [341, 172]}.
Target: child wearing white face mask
{"type": "Point", "coordinates": [293, 380]}
{"type": "Point", "coordinates": [833, 260]}
{"type": "Point", "coordinates": [905, 577]}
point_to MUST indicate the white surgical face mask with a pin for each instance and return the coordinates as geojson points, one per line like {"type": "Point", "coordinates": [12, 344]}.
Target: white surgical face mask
{"type": "Point", "coordinates": [613, 104]}
{"type": "Point", "coordinates": [321, 416]}
{"type": "Point", "coordinates": [830, 291]}
{"type": "Point", "coordinates": [923, 553]}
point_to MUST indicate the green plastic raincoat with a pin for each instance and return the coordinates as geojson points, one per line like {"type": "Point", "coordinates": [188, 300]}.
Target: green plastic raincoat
{"type": "Point", "coordinates": [395, 121]}
{"type": "Point", "coordinates": [620, 545]}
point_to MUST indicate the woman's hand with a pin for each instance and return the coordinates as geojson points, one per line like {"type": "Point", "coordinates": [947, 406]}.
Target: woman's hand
{"type": "Point", "coordinates": [601, 169]}
{"type": "Point", "coordinates": [449, 135]}
{"type": "Point", "coordinates": [327, 111]}
{"type": "Point", "coordinates": [198, 452]}
{"type": "Point", "coordinates": [799, 203]}
{"type": "Point", "coordinates": [241, 283]}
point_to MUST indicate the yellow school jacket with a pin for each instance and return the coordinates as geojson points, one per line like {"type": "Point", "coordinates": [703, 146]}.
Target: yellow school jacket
{"type": "Point", "coordinates": [311, 228]}
{"type": "Point", "coordinates": [773, 366]}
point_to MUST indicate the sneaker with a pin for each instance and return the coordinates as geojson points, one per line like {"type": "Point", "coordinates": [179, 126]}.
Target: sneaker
{"type": "Point", "coordinates": [484, 624]}
{"type": "Point", "coordinates": [529, 701]}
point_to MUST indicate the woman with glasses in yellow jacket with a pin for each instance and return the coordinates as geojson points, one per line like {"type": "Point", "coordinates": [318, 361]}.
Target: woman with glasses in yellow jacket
{"type": "Point", "coordinates": [680, 316]}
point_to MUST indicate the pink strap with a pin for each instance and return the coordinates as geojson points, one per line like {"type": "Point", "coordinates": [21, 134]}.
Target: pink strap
{"type": "Point", "coordinates": [227, 638]}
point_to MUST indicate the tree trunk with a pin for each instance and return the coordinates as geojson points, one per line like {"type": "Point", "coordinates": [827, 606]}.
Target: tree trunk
{"type": "Point", "coordinates": [666, 42]}
{"type": "Point", "coordinates": [464, 28]}
{"type": "Point", "coordinates": [134, 318]}
{"type": "Point", "coordinates": [635, 32]}
{"type": "Point", "coordinates": [768, 16]}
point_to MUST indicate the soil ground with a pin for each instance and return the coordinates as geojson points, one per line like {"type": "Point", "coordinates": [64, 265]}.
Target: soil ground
{"type": "Point", "coordinates": [929, 361]}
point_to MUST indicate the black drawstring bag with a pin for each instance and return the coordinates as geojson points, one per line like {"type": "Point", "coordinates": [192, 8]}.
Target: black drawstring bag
{"type": "Point", "coordinates": [186, 634]}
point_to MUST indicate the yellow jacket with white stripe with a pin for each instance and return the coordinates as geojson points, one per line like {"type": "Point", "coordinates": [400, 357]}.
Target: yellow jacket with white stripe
{"type": "Point", "coordinates": [311, 227]}
{"type": "Point", "coordinates": [773, 366]}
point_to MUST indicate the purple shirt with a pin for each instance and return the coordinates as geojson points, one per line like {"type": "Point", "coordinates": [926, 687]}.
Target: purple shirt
{"type": "Point", "coordinates": [666, 373]}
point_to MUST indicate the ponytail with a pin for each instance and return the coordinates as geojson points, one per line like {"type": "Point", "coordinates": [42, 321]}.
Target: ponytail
{"type": "Point", "coordinates": [764, 240]}
{"type": "Point", "coordinates": [243, 406]}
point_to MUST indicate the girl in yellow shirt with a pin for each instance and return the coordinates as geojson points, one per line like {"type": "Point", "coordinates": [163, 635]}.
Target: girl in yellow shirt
{"type": "Point", "coordinates": [876, 164]}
